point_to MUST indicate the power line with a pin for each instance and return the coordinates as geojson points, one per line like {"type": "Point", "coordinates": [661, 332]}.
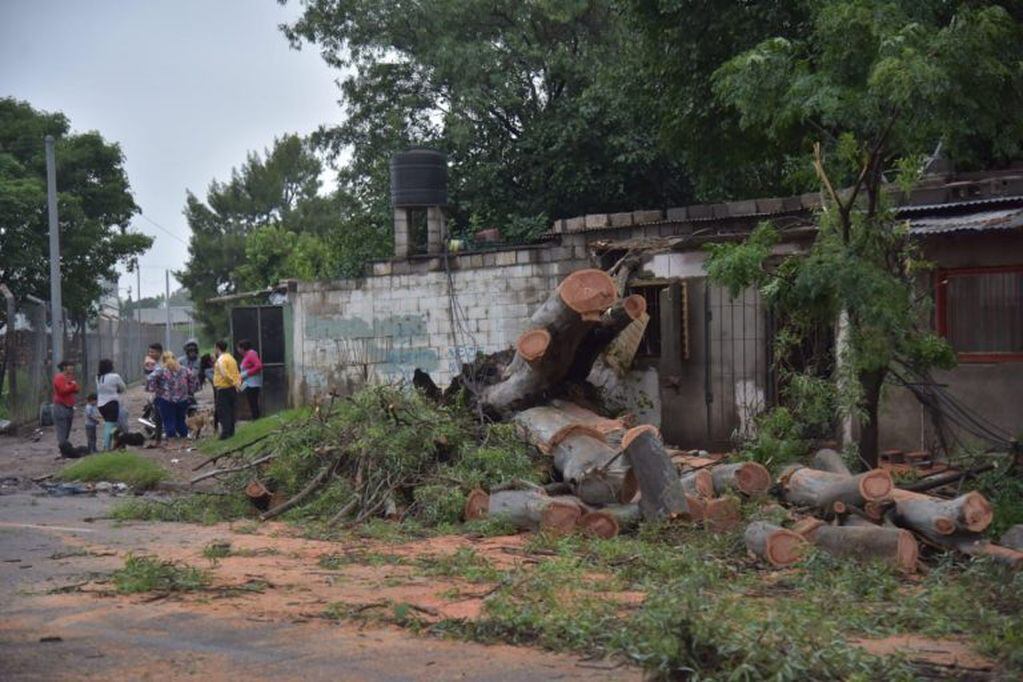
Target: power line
{"type": "Point", "coordinates": [161, 227]}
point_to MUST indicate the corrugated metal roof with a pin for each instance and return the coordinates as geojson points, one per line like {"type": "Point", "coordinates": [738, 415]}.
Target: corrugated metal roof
{"type": "Point", "coordinates": [949, 205]}
{"type": "Point", "coordinates": [1000, 219]}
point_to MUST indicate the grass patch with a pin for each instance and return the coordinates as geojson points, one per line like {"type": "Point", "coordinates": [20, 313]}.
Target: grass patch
{"type": "Point", "coordinates": [249, 432]}
{"type": "Point", "coordinates": [201, 509]}
{"type": "Point", "coordinates": [149, 574]}
{"type": "Point", "coordinates": [126, 467]}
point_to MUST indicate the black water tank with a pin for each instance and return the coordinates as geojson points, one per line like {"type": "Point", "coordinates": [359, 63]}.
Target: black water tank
{"type": "Point", "coordinates": [419, 177]}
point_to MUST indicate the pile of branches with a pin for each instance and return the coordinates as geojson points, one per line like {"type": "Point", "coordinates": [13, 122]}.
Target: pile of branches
{"type": "Point", "coordinates": [386, 451]}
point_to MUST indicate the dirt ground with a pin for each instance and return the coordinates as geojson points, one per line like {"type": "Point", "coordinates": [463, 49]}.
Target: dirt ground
{"type": "Point", "coordinates": [264, 616]}
{"type": "Point", "coordinates": [32, 452]}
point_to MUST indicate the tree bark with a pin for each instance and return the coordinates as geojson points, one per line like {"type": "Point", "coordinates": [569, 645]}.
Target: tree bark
{"type": "Point", "coordinates": [828, 492]}
{"type": "Point", "coordinates": [661, 493]}
{"type": "Point", "coordinates": [611, 324]}
{"type": "Point", "coordinates": [593, 468]}
{"type": "Point", "coordinates": [773, 544]}
{"type": "Point", "coordinates": [748, 478]}
{"type": "Point", "coordinates": [925, 514]}
{"type": "Point", "coordinates": [872, 382]}
{"type": "Point", "coordinates": [526, 509]}
{"type": "Point", "coordinates": [827, 459]}
{"type": "Point", "coordinates": [893, 546]}
{"type": "Point", "coordinates": [545, 353]}
{"type": "Point", "coordinates": [698, 483]}
{"type": "Point", "coordinates": [627, 516]}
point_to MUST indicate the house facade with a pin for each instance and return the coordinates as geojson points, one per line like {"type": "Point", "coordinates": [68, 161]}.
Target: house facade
{"type": "Point", "coordinates": [705, 365]}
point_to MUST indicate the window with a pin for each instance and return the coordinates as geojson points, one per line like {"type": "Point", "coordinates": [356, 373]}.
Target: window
{"type": "Point", "coordinates": [980, 312]}
{"type": "Point", "coordinates": [653, 342]}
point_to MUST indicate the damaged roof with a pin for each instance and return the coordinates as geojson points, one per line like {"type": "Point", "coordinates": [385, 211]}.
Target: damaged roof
{"type": "Point", "coordinates": [982, 221]}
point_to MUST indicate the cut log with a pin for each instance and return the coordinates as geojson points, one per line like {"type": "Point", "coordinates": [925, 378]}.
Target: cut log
{"type": "Point", "coordinates": [924, 513]}
{"type": "Point", "coordinates": [566, 317]}
{"type": "Point", "coordinates": [979, 546]}
{"type": "Point", "coordinates": [627, 516]}
{"type": "Point", "coordinates": [748, 478]}
{"type": "Point", "coordinates": [539, 425]}
{"type": "Point", "coordinates": [821, 490]}
{"type": "Point", "coordinates": [661, 493]}
{"type": "Point", "coordinates": [593, 468]}
{"type": "Point", "coordinates": [893, 546]}
{"type": "Point", "coordinates": [600, 524]}
{"type": "Point", "coordinates": [827, 459]}
{"type": "Point", "coordinates": [698, 483]}
{"type": "Point", "coordinates": [526, 509]}
{"type": "Point", "coordinates": [613, 429]}
{"type": "Point", "coordinates": [773, 544]}
{"type": "Point", "coordinates": [722, 514]}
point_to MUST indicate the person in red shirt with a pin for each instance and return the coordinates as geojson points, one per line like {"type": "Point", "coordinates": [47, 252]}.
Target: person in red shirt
{"type": "Point", "coordinates": [65, 388]}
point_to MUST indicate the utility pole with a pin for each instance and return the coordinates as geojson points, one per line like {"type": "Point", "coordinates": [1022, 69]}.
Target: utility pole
{"type": "Point", "coordinates": [166, 332]}
{"type": "Point", "coordinates": [138, 291]}
{"type": "Point", "coordinates": [56, 305]}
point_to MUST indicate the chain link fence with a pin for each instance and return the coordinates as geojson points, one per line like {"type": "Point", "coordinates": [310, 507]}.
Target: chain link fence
{"type": "Point", "coordinates": [27, 369]}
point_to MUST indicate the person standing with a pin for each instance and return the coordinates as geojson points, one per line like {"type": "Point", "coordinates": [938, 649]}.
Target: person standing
{"type": "Point", "coordinates": [252, 375]}
{"type": "Point", "coordinates": [109, 387]}
{"type": "Point", "coordinates": [65, 388]}
{"type": "Point", "coordinates": [92, 420]}
{"type": "Point", "coordinates": [149, 365]}
{"type": "Point", "coordinates": [226, 382]}
{"type": "Point", "coordinates": [171, 383]}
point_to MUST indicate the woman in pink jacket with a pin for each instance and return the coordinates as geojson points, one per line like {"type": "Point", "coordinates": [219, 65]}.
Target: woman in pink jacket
{"type": "Point", "coordinates": [252, 375]}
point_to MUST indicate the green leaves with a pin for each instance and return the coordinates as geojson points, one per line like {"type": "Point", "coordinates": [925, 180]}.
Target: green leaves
{"type": "Point", "coordinates": [94, 201]}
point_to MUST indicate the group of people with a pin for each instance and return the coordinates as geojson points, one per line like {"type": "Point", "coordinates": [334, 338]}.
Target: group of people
{"type": "Point", "coordinates": [174, 383]}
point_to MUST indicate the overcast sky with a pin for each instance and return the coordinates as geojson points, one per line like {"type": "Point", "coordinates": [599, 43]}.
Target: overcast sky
{"type": "Point", "coordinates": [187, 87]}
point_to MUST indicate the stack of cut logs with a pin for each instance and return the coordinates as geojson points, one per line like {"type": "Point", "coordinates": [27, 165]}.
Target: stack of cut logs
{"type": "Point", "coordinates": [612, 477]}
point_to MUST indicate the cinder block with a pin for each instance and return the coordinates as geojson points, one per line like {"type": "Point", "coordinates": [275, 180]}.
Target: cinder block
{"type": "Point", "coordinates": [476, 261]}
{"type": "Point", "coordinates": [575, 224]}
{"type": "Point", "coordinates": [810, 200]}
{"type": "Point", "coordinates": [522, 257]}
{"type": "Point", "coordinates": [678, 213]}
{"type": "Point", "coordinates": [595, 220]}
{"type": "Point", "coordinates": [558, 226]}
{"type": "Point", "coordinates": [640, 217]}
{"type": "Point", "coordinates": [771, 205]}
{"type": "Point", "coordinates": [620, 219]}
{"type": "Point", "coordinates": [741, 208]}
{"type": "Point", "coordinates": [505, 258]}
{"type": "Point", "coordinates": [719, 210]}
{"type": "Point", "coordinates": [699, 212]}
{"type": "Point", "coordinates": [489, 260]}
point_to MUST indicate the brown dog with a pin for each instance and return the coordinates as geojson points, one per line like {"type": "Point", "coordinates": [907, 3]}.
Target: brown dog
{"type": "Point", "coordinates": [197, 422]}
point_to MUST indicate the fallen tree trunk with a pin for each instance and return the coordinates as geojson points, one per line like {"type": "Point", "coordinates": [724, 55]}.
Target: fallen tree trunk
{"type": "Point", "coordinates": [774, 544]}
{"type": "Point", "coordinates": [593, 468]}
{"type": "Point", "coordinates": [827, 459]}
{"type": "Point", "coordinates": [939, 480]}
{"type": "Point", "coordinates": [830, 492]}
{"type": "Point", "coordinates": [979, 546]}
{"type": "Point", "coordinates": [748, 478]}
{"type": "Point", "coordinates": [597, 339]}
{"type": "Point", "coordinates": [526, 509]}
{"type": "Point", "coordinates": [612, 429]}
{"type": "Point", "coordinates": [923, 513]}
{"type": "Point", "coordinates": [661, 493]}
{"type": "Point", "coordinates": [544, 353]}
{"type": "Point", "coordinates": [893, 546]}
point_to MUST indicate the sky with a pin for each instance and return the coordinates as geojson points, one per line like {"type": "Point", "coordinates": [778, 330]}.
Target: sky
{"type": "Point", "coordinates": [186, 87]}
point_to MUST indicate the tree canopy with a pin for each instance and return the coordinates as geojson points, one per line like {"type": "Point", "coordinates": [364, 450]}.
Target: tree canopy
{"type": "Point", "coordinates": [873, 87]}
{"type": "Point", "coordinates": [517, 94]}
{"type": "Point", "coordinates": [94, 203]}
{"type": "Point", "coordinates": [270, 222]}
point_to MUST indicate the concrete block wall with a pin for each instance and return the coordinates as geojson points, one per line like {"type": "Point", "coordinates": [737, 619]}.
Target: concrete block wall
{"type": "Point", "coordinates": [412, 313]}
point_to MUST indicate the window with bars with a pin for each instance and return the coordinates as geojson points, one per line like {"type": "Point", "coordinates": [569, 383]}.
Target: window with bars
{"type": "Point", "coordinates": [980, 312]}
{"type": "Point", "coordinates": [653, 341]}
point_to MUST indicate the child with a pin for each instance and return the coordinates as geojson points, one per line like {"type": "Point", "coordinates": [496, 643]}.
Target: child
{"type": "Point", "coordinates": [92, 420]}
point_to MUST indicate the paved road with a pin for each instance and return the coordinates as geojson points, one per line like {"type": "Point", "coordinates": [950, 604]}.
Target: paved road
{"type": "Point", "coordinates": [48, 543]}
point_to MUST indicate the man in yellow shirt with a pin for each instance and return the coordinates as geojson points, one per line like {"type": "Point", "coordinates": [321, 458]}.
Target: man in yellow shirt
{"type": "Point", "coordinates": [227, 381]}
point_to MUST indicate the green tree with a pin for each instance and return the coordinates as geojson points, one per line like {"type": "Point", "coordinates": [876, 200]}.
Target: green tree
{"type": "Point", "coordinates": [271, 195]}
{"type": "Point", "coordinates": [871, 89]}
{"type": "Point", "coordinates": [94, 204]}
{"type": "Point", "coordinates": [519, 95]}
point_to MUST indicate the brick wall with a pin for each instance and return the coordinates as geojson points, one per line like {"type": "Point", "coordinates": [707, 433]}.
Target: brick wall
{"type": "Point", "coordinates": [382, 327]}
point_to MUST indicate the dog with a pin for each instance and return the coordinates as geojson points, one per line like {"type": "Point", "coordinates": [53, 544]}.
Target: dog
{"type": "Point", "coordinates": [197, 422]}
{"type": "Point", "coordinates": [69, 451]}
{"type": "Point", "coordinates": [123, 439]}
